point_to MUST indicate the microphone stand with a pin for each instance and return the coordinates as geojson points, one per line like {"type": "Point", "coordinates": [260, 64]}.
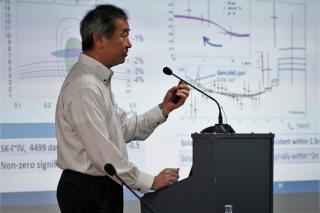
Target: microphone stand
{"type": "Point", "coordinates": [217, 128]}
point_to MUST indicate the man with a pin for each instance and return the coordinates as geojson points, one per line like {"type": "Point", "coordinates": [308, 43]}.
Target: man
{"type": "Point", "coordinates": [92, 130]}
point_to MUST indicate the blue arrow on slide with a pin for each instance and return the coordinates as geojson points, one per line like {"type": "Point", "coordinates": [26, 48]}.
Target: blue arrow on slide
{"type": "Point", "coordinates": [206, 40]}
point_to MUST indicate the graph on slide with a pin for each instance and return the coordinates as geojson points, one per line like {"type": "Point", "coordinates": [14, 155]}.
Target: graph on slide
{"type": "Point", "coordinates": [40, 53]}
{"type": "Point", "coordinates": [251, 92]}
{"type": "Point", "coordinates": [254, 82]}
{"type": "Point", "coordinates": [210, 29]}
{"type": "Point", "coordinates": [40, 67]}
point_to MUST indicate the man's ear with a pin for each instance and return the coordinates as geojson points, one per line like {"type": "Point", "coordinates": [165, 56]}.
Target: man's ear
{"type": "Point", "coordinates": [97, 40]}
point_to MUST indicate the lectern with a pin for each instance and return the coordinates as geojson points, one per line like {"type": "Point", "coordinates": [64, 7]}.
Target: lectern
{"type": "Point", "coordinates": [231, 173]}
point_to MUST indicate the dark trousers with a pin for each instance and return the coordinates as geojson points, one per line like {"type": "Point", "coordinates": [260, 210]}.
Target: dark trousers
{"type": "Point", "coordinates": [81, 193]}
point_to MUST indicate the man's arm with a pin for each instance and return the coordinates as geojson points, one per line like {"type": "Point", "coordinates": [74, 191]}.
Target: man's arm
{"type": "Point", "coordinates": [141, 126]}
{"type": "Point", "coordinates": [88, 113]}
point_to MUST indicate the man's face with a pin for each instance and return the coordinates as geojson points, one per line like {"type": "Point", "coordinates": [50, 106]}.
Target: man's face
{"type": "Point", "coordinates": [116, 47]}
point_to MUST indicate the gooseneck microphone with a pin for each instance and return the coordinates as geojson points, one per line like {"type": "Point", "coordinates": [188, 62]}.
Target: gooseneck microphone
{"type": "Point", "coordinates": [109, 168]}
{"type": "Point", "coordinates": [217, 128]}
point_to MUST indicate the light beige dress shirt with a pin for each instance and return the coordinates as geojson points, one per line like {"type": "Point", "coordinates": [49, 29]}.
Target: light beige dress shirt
{"type": "Point", "coordinates": [92, 130]}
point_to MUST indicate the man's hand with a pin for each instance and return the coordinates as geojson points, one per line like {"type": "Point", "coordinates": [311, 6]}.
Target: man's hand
{"type": "Point", "coordinates": [182, 90]}
{"type": "Point", "coordinates": [165, 178]}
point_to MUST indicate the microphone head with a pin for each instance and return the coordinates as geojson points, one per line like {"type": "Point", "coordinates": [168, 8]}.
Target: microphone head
{"type": "Point", "coordinates": [167, 71]}
{"type": "Point", "coordinates": [109, 168]}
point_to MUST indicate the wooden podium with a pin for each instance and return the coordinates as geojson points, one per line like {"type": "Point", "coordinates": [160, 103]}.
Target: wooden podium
{"type": "Point", "coordinates": [231, 173]}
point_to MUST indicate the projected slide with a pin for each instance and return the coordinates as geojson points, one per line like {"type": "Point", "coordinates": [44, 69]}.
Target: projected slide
{"type": "Point", "coordinates": [259, 58]}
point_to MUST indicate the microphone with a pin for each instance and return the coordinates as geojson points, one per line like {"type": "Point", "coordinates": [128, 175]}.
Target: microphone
{"type": "Point", "coordinates": [109, 168]}
{"type": "Point", "coordinates": [217, 128]}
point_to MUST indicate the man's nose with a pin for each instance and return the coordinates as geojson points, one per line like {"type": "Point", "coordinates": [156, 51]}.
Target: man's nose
{"type": "Point", "coordinates": [129, 43]}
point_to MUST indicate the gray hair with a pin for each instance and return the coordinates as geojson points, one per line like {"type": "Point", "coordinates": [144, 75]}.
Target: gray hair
{"type": "Point", "coordinates": [99, 20]}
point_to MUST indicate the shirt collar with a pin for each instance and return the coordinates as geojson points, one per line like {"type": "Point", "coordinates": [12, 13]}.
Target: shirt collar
{"type": "Point", "coordinates": [97, 68]}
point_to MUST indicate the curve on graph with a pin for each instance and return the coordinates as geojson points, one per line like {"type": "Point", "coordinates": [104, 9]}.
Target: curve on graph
{"type": "Point", "coordinates": [214, 23]}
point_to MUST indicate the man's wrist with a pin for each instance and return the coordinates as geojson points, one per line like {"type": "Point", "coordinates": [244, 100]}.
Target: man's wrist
{"type": "Point", "coordinates": [165, 114]}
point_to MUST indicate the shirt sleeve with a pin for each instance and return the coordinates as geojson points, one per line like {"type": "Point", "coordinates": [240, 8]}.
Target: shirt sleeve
{"type": "Point", "coordinates": [87, 110]}
{"type": "Point", "coordinates": [140, 127]}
